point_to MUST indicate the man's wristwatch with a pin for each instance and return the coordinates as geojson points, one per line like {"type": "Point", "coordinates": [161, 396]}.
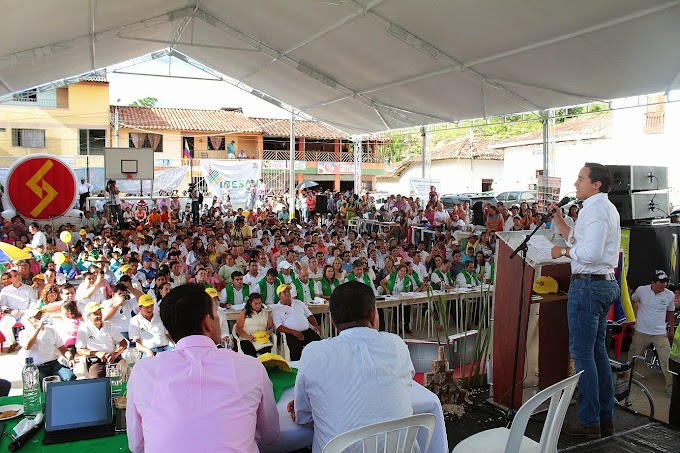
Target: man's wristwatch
{"type": "Point", "coordinates": [564, 252]}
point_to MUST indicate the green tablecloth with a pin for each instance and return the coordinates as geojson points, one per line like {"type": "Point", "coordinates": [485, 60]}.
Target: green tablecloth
{"type": "Point", "coordinates": [281, 380]}
{"type": "Point", "coordinates": [117, 443]}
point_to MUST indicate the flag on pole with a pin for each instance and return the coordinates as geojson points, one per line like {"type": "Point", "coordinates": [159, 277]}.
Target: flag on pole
{"type": "Point", "coordinates": [187, 153]}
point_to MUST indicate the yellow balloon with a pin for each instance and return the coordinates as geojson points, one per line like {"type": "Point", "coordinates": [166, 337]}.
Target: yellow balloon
{"type": "Point", "coordinates": [59, 257]}
{"type": "Point", "coordinates": [65, 236]}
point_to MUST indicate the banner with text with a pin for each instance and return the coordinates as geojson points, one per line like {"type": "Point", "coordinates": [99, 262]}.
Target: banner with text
{"type": "Point", "coordinates": [336, 168]}
{"type": "Point", "coordinates": [283, 165]}
{"type": "Point", "coordinates": [231, 176]}
{"type": "Point", "coordinates": [420, 187]}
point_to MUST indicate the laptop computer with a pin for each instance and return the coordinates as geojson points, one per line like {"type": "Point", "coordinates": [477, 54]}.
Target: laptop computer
{"type": "Point", "coordinates": [78, 410]}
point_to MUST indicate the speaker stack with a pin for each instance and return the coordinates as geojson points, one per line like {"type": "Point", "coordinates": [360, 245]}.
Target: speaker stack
{"type": "Point", "coordinates": [640, 193]}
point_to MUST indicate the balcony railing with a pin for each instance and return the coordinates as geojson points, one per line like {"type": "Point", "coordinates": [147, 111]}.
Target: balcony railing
{"type": "Point", "coordinates": [320, 156]}
{"type": "Point", "coordinates": [34, 102]}
{"type": "Point", "coordinates": [654, 122]}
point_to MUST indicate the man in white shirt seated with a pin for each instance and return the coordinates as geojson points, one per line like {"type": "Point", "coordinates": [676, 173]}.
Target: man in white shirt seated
{"type": "Point", "coordinates": [44, 345]}
{"type": "Point", "coordinates": [304, 286]}
{"type": "Point", "coordinates": [99, 342]}
{"type": "Point", "coordinates": [14, 299]}
{"type": "Point", "coordinates": [253, 277]}
{"type": "Point", "coordinates": [118, 310]}
{"type": "Point", "coordinates": [342, 380]}
{"type": "Point", "coordinates": [147, 330]}
{"type": "Point", "coordinates": [292, 318]}
{"type": "Point", "coordinates": [286, 273]}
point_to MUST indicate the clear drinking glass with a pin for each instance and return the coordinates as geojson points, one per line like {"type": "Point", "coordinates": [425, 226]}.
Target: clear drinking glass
{"type": "Point", "coordinates": [115, 373]}
{"type": "Point", "coordinates": [49, 380]}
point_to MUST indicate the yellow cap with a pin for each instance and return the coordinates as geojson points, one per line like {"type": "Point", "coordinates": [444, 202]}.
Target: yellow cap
{"type": "Point", "coordinates": [545, 285]}
{"type": "Point", "coordinates": [282, 288]}
{"type": "Point", "coordinates": [145, 300]}
{"type": "Point", "coordinates": [83, 232]}
{"type": "Point", "coordinates": [261, 337]}
{"type": "Point", "coordinates": [125, 268]}
{"type": "Point", "coordinates": [38, 277]}
{"type": "Point", "coordinates": [92, 307]}
{"type": "Point", "coordinates": [270, 360]}
{"type": "Point", "coordinates": [212, 292]}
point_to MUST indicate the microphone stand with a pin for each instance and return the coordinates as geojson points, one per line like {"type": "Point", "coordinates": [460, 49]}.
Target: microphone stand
{"type": "Point", "coordinates": [523, 247]}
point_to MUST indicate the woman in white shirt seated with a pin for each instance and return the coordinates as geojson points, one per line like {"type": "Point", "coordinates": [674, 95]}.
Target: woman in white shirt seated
{"type": "Point", "coordinates": [251, 326]}
{"type": "Point", "coordinates": [482, 267]}
{"type": "Point", "coordinates": [441, 217]}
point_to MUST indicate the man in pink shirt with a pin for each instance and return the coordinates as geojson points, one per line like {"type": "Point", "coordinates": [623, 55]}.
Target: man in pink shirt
{"type": "Point", "coordinates": [198, 397]}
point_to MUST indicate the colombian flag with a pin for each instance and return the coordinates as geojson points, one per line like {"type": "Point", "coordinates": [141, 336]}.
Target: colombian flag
{"type": "Point", "coordinates": [187, 153]}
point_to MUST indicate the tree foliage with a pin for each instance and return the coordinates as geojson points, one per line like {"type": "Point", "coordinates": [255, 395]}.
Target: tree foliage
{"type": "Point", "coordinates": [145, 102]}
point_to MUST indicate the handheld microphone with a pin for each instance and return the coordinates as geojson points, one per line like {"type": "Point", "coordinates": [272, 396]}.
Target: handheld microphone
{"type": "Point", "coordinates": [562, 202]}
{"type": "Point", "coordinates": [24, 438]}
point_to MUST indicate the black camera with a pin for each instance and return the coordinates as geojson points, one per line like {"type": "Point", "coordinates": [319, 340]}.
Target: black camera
{"type": "Point", "coordinates": [126, 297]}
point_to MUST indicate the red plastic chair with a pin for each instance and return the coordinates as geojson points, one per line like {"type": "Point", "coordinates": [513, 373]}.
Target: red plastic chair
{"type": "Point", "coordinates": [627, 331]}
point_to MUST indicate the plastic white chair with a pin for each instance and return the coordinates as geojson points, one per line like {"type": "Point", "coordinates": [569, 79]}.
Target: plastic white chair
{"type": "Point", "coordinates": [397, 436]}
{"type": "Point", "coordinates": [353, 224]}
{"type": "Point", "coordinates": [513, 440]}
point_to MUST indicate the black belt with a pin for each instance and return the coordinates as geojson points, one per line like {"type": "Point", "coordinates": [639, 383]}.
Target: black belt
{"type": "Point", "coordinates": [593, 277]}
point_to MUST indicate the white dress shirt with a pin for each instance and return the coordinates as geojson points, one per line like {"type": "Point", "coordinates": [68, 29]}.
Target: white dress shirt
{"type": "Point", "coordinates": [121, 318]}
{"type": "Point", "coordinates": [595, 240]}
{"type": "Point", "coordinates": [342, 380]}
{"type": "Point", "coordinates": [17, 298]}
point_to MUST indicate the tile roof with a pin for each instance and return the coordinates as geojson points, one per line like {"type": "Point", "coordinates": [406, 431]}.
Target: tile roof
{"type": "Point", "coordinates": [225, 120]}
{"type": "Point", "coordinates": [313, 129]}
{"type": "Point", "coordinates": [184, 119]}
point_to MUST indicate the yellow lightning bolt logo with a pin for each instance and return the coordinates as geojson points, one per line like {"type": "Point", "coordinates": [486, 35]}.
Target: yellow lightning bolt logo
{"type": "Point", "coordinates": [46, 192]}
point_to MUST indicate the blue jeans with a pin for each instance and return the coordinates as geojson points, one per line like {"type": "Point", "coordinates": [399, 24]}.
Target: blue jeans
{"type": "Point", "coordinates": [54, 368]}
{"type": "Point", "coordinates": [587, 309]}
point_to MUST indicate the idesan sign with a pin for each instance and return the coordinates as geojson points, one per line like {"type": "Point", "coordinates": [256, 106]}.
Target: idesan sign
{"type": "Point", "coordinates": [41, 187]}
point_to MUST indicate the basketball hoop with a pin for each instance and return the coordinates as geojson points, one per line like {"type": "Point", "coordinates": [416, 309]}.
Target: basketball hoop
{"type": "Point", "coordinates": [130, 175]}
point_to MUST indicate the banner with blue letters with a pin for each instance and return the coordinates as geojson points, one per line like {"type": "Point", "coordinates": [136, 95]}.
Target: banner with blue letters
{"type": "Point", "coordinates": [236, 178]}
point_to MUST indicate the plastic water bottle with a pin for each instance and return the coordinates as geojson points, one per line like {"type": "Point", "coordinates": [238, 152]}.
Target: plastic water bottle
{"type": "Point", "coordinates": [31, 381]}
{"type": "Point", "coordinates": [132, 357]}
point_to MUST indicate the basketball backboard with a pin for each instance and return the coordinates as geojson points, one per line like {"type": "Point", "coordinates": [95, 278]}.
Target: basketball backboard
{"type": "Point", "coordinates": [120, 163]}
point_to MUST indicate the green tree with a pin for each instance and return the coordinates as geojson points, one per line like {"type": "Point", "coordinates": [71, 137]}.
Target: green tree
{"type": "Point", "coordinates": [145, 102]}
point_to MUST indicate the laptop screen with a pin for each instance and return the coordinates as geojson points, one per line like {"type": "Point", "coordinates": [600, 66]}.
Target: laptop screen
{"type": "Point", "coordinates": [78, 404]}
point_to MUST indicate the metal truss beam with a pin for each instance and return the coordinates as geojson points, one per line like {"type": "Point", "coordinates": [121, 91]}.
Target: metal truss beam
{"type": "Point", "coordinates": [185, 23]}
{"type": "Point", "coordinates": [594, 28]}
{"type": "Point", "coordinates": [90, 39]}
{"type": "Point", "coordinates": [356, 13]}
{"type": "Point", "coordinates": [62, 83]}
{"type": "Point", "coordinates": [185, 44]}
{"type": "Point", "coordinates": [298, 66]}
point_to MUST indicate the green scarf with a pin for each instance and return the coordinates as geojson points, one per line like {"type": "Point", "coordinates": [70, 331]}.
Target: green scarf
{"type": "Point", "coordinates": [442, 278]}
{"type": "Point", "coordinates": [469, 278]}
{"type": "Point", "coordinates": [416, 280]}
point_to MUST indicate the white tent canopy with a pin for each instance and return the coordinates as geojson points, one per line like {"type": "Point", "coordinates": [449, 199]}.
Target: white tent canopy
{"type": "Point", "coordinates": [367, 65]}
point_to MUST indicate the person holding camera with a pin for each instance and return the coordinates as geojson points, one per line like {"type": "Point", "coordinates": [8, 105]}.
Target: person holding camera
{"type": "Point", "coordinates": [120, 309]}
{"type": "Point", "coordinates": [113, 200]}
{"type": "Point", "coordinates": [195, 203]}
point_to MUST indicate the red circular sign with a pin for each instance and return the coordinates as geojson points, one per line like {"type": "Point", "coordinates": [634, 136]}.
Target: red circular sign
{"type": "Point", "coordinates": [41, 188]}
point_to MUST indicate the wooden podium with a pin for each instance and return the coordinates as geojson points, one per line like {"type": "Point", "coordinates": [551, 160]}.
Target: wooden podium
{"type": "Point", "coordinates": [553, 332]}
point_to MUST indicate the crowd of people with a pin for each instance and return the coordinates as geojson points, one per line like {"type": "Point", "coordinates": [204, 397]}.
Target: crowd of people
{"type": "Point", "coordinates": [91, 290]}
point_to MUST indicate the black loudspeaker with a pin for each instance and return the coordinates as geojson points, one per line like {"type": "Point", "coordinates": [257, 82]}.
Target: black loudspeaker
{"type": "Point", "coordinates": [321, 204]}
{"type": "Point", "coordinates": [641, 205]}
{"type": "Point", "coordinates": [653, 247]}
{"type": "Point", "coordinates": [636, 178]}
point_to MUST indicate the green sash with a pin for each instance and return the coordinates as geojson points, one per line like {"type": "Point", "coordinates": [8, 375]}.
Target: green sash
{"type": "Point", "coordinates": [263, 289]}
{"type": "Point", "coordinates": [365, 277]}
{"type": "Point", "coordinates": [300, 293]}
{"type": "Point", "coordinates": [328, 287]}
{"type": "Point", "coordinates": [229, 289]}
{"type": "Point", "coordinates": [392, 280]}
{"type": "Point", "coordinates": [470, 278]}
{"type": "Point", "coordinates": [442, 278]}
{"type": "Point", "coordinates": [416, 280]}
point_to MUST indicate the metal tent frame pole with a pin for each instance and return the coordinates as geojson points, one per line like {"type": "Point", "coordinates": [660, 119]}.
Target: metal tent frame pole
{"type": "Point", "coordinates": [291, 181]}
{"type": "Point", "coordinates": [358, 160]}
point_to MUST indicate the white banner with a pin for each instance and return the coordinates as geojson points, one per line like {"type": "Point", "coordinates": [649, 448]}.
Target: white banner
{"type": "Point", "coordinates": [167, 180]}
{"type": "Point", "coordinates": [234, 176]}
{"type": "Point", "coordinates": [420, 187]}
